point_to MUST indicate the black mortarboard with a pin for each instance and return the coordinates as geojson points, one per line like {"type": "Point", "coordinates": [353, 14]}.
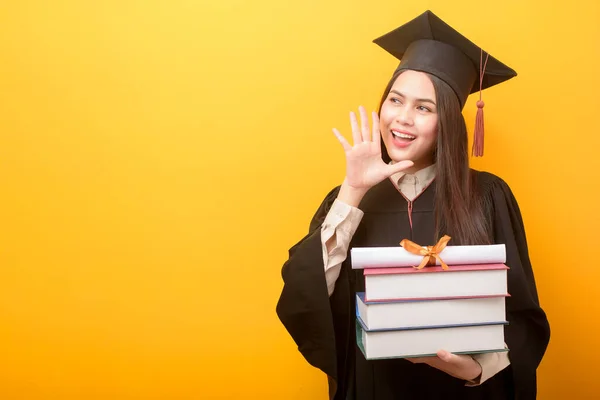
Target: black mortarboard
{"type": "Point", "coordinates": [428, 44]}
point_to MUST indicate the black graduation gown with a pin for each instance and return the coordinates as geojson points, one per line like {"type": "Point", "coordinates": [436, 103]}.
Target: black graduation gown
{"type": "Point", "coordinates": [323, 327]}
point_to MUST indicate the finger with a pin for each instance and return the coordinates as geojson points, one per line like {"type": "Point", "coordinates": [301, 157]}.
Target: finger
{"type": "Point", "coordinates": [376, 132]}
{"type": "Point", "coordinates": [421, 360]}
{"type": "Point", "coordinates": [356, 136]}
{"type": "Point", "coordinates": [342, 140]}
{"type": "Point", "coordinates": [458, 365]}
{"type": "Point", "coordinates": [448, 357]}
{"type": "Point", "coordinates": [364, 119]}
{"type": "Point", "coordinates": [457, 360]}
{"type": "Point", "coordinates": [437, 363]}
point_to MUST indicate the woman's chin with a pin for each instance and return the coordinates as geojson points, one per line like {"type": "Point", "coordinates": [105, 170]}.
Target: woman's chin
{"type": "Point", "coordinates": [398, 155]}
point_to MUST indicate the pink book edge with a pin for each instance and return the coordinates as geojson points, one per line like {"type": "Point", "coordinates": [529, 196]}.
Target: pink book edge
{"type": "Point", "coordinates": [431, 269]}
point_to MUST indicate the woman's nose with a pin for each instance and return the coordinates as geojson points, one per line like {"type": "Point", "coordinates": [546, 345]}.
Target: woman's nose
{"type": "Point", "coordinates": [404, 116]}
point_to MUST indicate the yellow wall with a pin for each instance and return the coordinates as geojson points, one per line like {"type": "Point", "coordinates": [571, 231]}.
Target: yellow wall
{"type": "Point", "coordinates": [158, 158]}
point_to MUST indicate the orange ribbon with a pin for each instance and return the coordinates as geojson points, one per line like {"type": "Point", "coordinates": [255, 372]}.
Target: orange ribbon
{"type": "Point", "coordinates": [430, 253]}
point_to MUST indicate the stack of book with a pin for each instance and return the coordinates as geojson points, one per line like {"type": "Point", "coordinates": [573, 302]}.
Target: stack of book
{"type": "Point", "coordinates": [406, 312]}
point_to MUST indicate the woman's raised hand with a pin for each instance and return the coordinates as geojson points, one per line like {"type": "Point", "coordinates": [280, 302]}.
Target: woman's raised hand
{"type": "Point", "coordinates": [364, 166]}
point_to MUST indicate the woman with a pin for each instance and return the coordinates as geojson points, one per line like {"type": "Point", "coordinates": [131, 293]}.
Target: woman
{"type": "Point", "coordinates": [408, 177]}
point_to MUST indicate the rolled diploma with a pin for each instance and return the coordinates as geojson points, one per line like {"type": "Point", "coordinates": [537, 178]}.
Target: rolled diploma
{"type": "Point", "coordinates": [381, 257]}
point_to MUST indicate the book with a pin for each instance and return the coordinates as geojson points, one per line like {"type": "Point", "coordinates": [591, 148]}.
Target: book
{"type": "Point", "coordinates": [425, 313]}
{"type": "Point", "coordinates": [435, 283]}
{"type": "Point", "coordinates": [393, 257]}
{"type": "Point", "coordinates": [409, 343]}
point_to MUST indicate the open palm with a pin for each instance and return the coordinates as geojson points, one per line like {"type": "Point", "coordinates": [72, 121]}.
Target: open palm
{"type": "Point", "coordinates": [364, 165]}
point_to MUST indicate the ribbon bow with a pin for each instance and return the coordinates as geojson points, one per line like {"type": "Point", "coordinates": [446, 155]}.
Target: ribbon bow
{"type": "Point", "coordinates": [430, 253]}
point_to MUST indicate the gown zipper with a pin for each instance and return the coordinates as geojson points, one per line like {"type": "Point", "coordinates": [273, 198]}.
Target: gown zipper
{"type": "Point", "coordinates": [410, 202]}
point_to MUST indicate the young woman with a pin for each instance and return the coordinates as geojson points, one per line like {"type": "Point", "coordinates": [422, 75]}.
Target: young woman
{"type": "Point", "coordinates": [408, 177]}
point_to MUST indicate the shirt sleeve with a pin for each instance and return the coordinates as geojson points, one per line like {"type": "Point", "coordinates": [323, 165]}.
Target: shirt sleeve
{"type": "Point", "coordinates": [337, 230]}
{"type": "Point", "coordinates": [491, 364]}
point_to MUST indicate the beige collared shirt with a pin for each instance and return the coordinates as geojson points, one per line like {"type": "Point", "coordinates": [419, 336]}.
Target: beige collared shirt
{"type": "Point", "coordinates": [412, 185]}
{"type": "Point", "coordinates": [342, 222]}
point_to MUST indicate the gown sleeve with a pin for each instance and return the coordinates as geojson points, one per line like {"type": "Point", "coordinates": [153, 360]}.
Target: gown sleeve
{"type": "Point", "coordinates": [528, 332]}
{"type": "Point", "coordinates": [304, 304]}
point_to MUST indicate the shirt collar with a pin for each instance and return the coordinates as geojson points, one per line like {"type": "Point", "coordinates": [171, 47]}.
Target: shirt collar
{"type": "Point", "coordinates": [423, 176]}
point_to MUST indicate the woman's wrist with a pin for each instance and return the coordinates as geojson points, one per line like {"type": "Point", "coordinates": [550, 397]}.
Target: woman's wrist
{"type": "Point", "coordinates": [351, 195]}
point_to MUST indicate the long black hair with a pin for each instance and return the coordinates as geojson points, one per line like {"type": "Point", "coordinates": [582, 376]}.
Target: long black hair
{"type": "Point", "coordinates": [459, 207]}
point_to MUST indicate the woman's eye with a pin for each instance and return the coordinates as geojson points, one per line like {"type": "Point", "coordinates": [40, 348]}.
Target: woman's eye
{"type": "Point", "coordinates": [395, 100]}
{"type": "Point", "coordinates": [423, 108]}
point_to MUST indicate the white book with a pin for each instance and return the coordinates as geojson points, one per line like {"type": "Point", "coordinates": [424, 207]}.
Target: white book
{"type": "Point", "coordinates": [435, 282]}
{"type": "Point", "coordinates": [426, 313]}
{"type": "Point", "coordinates": [409, 343]}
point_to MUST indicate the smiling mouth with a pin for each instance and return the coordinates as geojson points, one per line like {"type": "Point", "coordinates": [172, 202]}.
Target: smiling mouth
{"type": "Point", "coordinates": [402, 135]}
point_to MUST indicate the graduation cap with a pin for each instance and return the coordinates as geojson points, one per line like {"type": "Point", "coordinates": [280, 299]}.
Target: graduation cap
{"type": "Point", "coordinates": [428, 44]}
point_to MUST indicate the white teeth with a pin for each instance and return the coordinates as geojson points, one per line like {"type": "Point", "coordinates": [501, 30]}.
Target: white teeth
{"type": "Point", "coordinates": [403, 135]}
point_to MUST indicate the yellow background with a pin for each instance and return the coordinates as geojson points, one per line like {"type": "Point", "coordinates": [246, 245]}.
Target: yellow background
{"type": "Point", "coordinates": [158, 158]}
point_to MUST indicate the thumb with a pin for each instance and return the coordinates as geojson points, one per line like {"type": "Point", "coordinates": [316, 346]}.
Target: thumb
{"type": "Point", "coordinates": [400, 166]}
{"type": "Point", "coordinates": [448, 357]}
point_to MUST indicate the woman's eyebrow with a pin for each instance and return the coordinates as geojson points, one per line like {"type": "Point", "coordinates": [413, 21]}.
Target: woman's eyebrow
{"type": "Point", "coordinates": [419, 100]}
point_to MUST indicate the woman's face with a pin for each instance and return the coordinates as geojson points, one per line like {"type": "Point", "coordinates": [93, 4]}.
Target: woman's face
{"type": "Point", "coordinates": [409, 119]}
